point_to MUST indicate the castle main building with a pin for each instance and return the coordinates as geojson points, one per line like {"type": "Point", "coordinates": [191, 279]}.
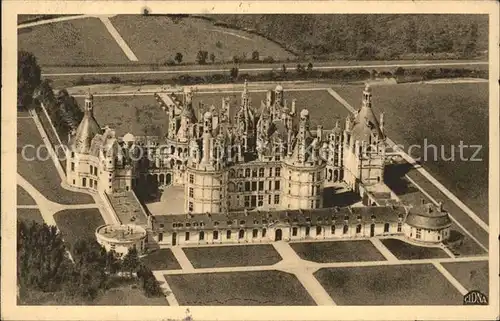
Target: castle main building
{"type": "Point", "coordinates": [235, 158]}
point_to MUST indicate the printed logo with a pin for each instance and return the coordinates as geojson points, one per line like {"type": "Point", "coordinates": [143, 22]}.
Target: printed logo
{"type": "Point", "coordinates": [475, 297]}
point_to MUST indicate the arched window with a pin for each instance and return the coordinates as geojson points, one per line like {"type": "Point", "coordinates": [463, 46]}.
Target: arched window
{"type": "Point", "coordinates": [247, 172]}
{"type": "Point", "coordinates": [346, 229]}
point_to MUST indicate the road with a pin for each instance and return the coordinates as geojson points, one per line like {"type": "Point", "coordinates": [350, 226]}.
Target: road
{"type": "Point", "coordinates": [191, 69]}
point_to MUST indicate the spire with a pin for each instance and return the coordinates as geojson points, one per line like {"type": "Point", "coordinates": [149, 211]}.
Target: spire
{"type": "Point", "coordinates": [367, 96]}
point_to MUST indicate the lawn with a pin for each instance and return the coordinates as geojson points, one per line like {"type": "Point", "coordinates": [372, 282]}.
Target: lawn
{"type": "Point", "coordinates": [125, 293]}
{"type": "Point", "coordinates": [156, 39]}
{"type": "Point", "coordinates": [472, 275]}
{"type": "Point", "coordinates": [323, 108]}
{"type": "Point", "coordinates": [228, 256]}
{"type": "Point", "coordinates": [128, 294]}
{"type": "Point", "coordinates": [23, 198]}
{"type": "Point", "coordinates": [338, 251]}
{"type": "Point", "coordinates": [77, 42]}
{"type": "Point", "coordinates": [419, 284]}
{"type": "Point", "coordinates": [255, 288]}
{"type": "Point", "coordinates": [162, 259]}
{"type": "Point", "coordinates": [78, 224]}
{"type": "Point", "coordinates": [442, 115]}
{"type": "Point", "coordinates": [28, 215]}
{"type": "Point", "coordinates": [41, 173]}
{"type": "Point", "coordinates": [406, 251]}
{"type": "Point", "coordinates": [134, 114]}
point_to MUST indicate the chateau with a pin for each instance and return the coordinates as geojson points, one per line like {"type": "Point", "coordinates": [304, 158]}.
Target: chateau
{"type": "Point", "coordinates": [252, 170]}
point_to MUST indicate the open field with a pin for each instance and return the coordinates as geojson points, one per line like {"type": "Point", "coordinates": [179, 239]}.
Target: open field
{"type": "Point", "coordinates": [28, 215]}
{"type": "Point", "coordinates": [239, 288]}
{"type": "Point", "coordinates": [41, 173]}
{"type": "Point", "coordinates": [419, 284]}
{"type": "Point", "coordinates": [228, 256]}
{"type": "Point", "coordinates": [77, 42]}
{"type": "Point", "coordinates": [162, 259]}
{"type": "Point", "coordinates": [406, 251]}
{"type": "Point", "coordinates": [340, 251]}
{"type": "Point", "coordinates": [157, 39]}
{"type": "Point", "coordinates": [78, 224]}
{"type": "Point", "coordinates": [472, 275]}
{"type": "Point", "coordinates": [442, 115]}
{"type": "Point", "coordinates": [135, 114]}
{"type": "Point", "coordinates": [23, 198]}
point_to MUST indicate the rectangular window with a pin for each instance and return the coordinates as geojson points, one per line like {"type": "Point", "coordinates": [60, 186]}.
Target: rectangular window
{"type": "Point", "coordinates": [261, 186]}
{"type": "Point", "coordinates": [419, 233]}
{"type": "Point", "coordinates": [255, 233]}
{"type": "Point", "coordinates": [84, 182]}
{"type": "Point", "coordinates": [254, 186]}
{"type": "Point", "coordinates": [160, 237]}
{"type": "Point", "coordinates": [191, 192]}
{"type": "Point", "coordinates": [277, 158]}
{"type": "Point", "coordinates": [399, 227]}
{"type": "Point", "coordinates": [187, 236]}
{"type": "Point", "coordinates": [191, 178]}
{"type": "Point", "coordinates": [294, 231]}
{"type": "Point", "coordinates": [247, 172]}
{"type": "Point", "coordinates": [201, 236]}
{"type": "Point", "coordinates": [269, 199]}
{"type": "Point", "coordinates": [317, 203]}
{"type": "Point", "coordinates": [312, 204]}
{"type": "Point", "coordinates": [228, 234]}
{"type": "Point", "coordinates": [215, 235]}
{"type": "Point", "coordinates": [247, 186]}
{"type": "Point", "coordinates": [74, 182]}
{"type": "Point", "coordinates": [278, 172]}
{"type": "Point", "coordinates": [358, 228]}
{"type": "Point", "coordinates": [91, 183]}
{"type": "Point", "coordinates": [95, 184]}
{"type": "Point", "coordinates": [261, 172]}
{"type": "Point", "coordinates": [313, 176]}
{"type": "Point", "coordinates": [270, 185]}
{"type": "Point", "coordinates": [276, 185]}
{"type": "Point", "coordinates": [260, 200]}
{"type": "Point", "coordinates": [276, 199]}
{"type": "Point", "coordinates": [308, 230]}
{"type": "Point", "coordinates": [247, 201]}
{"type": "Point", "coordinates": [95, 171]}
{"type": "Point", "coordinates": [270, 172]}
{"type": "Point", "coordinates": [190, 205]}
{"type": "Point", "coordinates": [254, 172]}
{"type": "Point", "coordinates": [91, 169]}
{"type": "Point", "coordinates": [72, 166]}
{"type": "Point", "coordinates": [264, 232]}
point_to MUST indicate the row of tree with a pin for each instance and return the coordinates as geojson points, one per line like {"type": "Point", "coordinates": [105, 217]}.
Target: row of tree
{"type": "Point", "coordinates": [43, 264]}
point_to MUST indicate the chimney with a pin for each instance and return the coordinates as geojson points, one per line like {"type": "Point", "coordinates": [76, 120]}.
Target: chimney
{"type": "Point", "coordinates": [382, 122]}
{"type": "Point", "coordinates": [440, 206]}
{"type": "Point", "coordinates": [319, 133]}
{"type": "Point", "coordinates": [422, 200]}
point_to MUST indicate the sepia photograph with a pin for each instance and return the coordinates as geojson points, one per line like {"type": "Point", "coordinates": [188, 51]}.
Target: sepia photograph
{"type": "Point", "coordinates": [218, 157]}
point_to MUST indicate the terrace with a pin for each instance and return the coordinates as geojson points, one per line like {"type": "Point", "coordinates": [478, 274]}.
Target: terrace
{"type": "Point", "coordinates": [128, 208]}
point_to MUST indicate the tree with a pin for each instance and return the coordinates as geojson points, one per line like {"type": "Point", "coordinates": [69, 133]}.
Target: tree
{"type": "Point", "coordinates": [28, 77]}
{"type": "Point", "coordinates": [255, 55]}
{"type": "Point", "coordinates": [149, 283]}
{"type": "Point", "coordinates": [212, 57]}
{"type": "Point", "coordinates": [283, 69]}
{"type": "Point", "coordinates": [300, 69]}
{"type": "Point", "coordinates": [471, 41]}
{"type": "Point", "coordinates": [201, 57]}
{"type": "Point", "coordinates": [309, 67]}
{"type": "Point", "coordinates": [234, 73]}
{"type": "Point", "coordinates": [131, 261]}
{"type": "Point", "coordinates": [178, 57]}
